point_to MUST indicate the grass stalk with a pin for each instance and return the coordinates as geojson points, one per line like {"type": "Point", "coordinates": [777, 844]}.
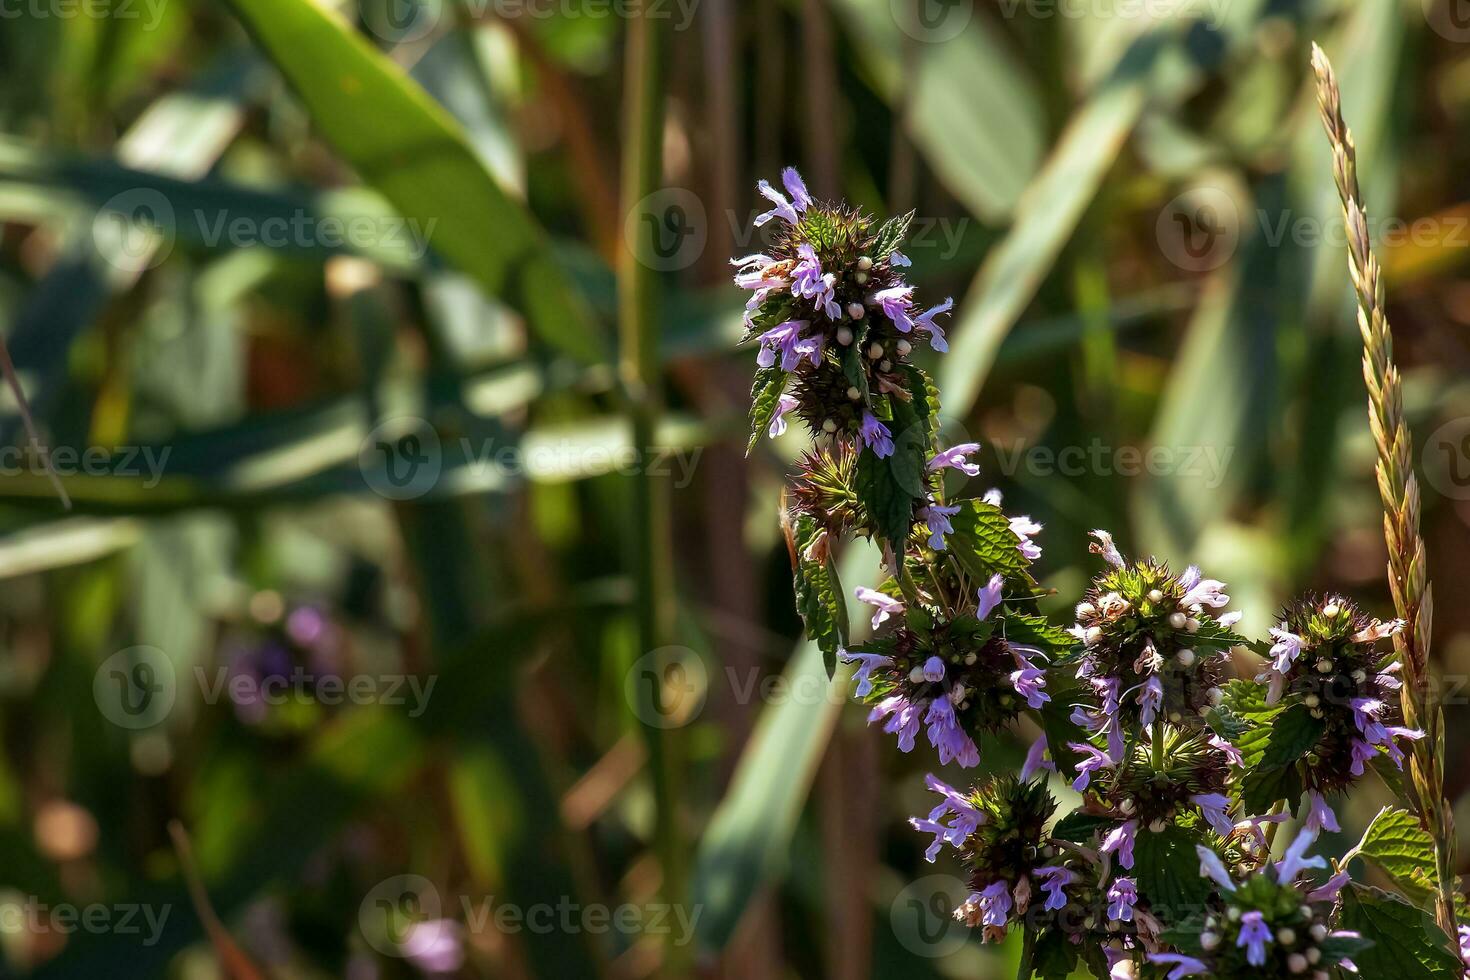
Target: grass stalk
{"type": "Point", "coordinates": [639, 370]}
{"type": "Point", "coordinates": [1407, 568]}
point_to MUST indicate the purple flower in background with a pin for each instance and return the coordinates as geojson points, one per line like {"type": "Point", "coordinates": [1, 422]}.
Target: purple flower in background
{"type": "Point", "coordinates": [1254, 935]}
{"type": "Point", "coordinates": [995, 904]}
{"type": "Point", "coordinates": [1023, 528]}
{"type": "Point", "coordinates": [1183, 966]}
{"type": "Point", "coordinates": [1319, 815]}
{"type": "Point", "coordinates": [925, 322]}
{"type": "Point", "coordinates": [898, 260]}
{"type": "Point", "coordinates": [1202, 591]}
{"type": "Point", "coordinates": [1095, 760]}
{"type": "Point", "coordinates": [1215, 807]}
{"type": "Point", "coordinates": [786, 338]}
{"type": "Point", "coordinates": [808, 282]}
{"type": "Point", "coordinates": [894, 302]}
{"type": "Point", "coordinates": [784, 404]}
{"type": "Point", "coordinates": [1029, 681]}
{"type": "Point", "coordinates": [1362, 753]}
{"type": "Point", "coordinates": [1328, 890]}
{"type": "Point", "coordinates": [957, 457]}
{"type": "Point", "coordinates": [1210, 866]}
{"type": "Point", "coordinates": [904, 718]}
{"type": "Point", "coordinates": [1295, 860]}
{"type": "Point", "coordinates": [876, 436]}
{"type": "Point", "coordinates": [989, 596]}
{"type": "Point", "coordinates": [1122, 896]}
{"type": "Point", "coordinates": [434, 946]}
{"type": "Point", "coordinates": [934, 670]}
{"type": "Point", "coordinates": [937, 517]}
{"type": "Point", "coordinates": [1053, 882]}
{"type": "Point", "coordinates": [1120, 841]}
{"type": "Point", "coordinates": [947, 737]}
{"type": "Point", "coordinates": [868, 663]}
{"type": "Point", "coordinates": [753, 273]}
{"type": "Point", "coordinates": [1398, 731]}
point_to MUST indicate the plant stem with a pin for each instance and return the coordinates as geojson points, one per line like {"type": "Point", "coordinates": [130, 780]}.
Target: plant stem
{"type": "Point", "coordinates": [1397, 485]}
{"type": "Point", "coordinates": [639, 370]}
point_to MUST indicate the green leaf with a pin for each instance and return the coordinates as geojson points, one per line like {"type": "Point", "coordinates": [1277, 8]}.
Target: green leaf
{"type": "Point", "coordinates": [1079, 827]}
{"type": "Point", "coordinates": [1407, 944]}
{"type": "Point", "coordinates": [852, 369]}
{"type": "Point", "coordinates": [402, 142]}
{"type": "Point", "coordinates": [1037, 631]}
{"type": "Point", "coordinates": [1264, 788]}
{"type": "Point", "coordinates": [1293, 733]}
{"type": "Point", "coordinates": [1166, 868]}
{"type": "Point", "coordinates": [1048, 955]}
{"type": "Point", "coordinates": [890, 236]}
{"type": "Point", "coordinates": [1404, 851]}
{"type": "Point", "coordinates": [819, 593]}
{"type": "Point", "coordinates": [984, 543]}
{"type": "Point", "coordinates": [765, 395]}
{"type": "Point", "coordinates": [888, 503]}
{"type": "Point", "coordinates": [1273, 777]}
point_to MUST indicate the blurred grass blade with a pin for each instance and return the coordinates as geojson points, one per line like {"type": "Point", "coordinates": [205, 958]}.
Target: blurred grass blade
{"type": "Point", "coordinates": [1045, 218]}
{"type": "Point", "coordinates": [407, 146]}
{"type": "Point", "coordinates": [749, 835]}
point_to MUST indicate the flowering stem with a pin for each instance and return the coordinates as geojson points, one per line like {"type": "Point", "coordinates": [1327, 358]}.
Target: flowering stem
{"type": "Point", "coordinates": [1399, 488]}
{"type": "Point", "coordinates": [643, 124]}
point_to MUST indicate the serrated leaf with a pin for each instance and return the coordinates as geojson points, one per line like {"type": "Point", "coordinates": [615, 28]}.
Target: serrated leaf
{"type": "Point", "coordinates": [1261, 789]}
{"type": "Point", "coordinates": [926, 400]}
{"type": "Point", "coordinates": [765, 396]}
{"type": "Point", "coordinates": [1032, 630]}
{"type": "Point", "coordinates": [1404, 851]}
{"type": "Point", "coordinates": [1407, 944]}
{"type": "Point", "coordinates": [889, 506]}
{"type": "Point", "coordinates": [984, 543]}
{"type": "Point", "coordinates": [890, 236]}
{"type": "Point", "coordinates": [1212, 634]}
{"type": "Point", "coordinates": [1079, 827]}
{"type": "Point", "coordinates": [1293, 733]}
{"type": "Point", "coordinates": [1166, 868]}
{"type": "Point", "coordinates": [819, 593]}
{"type": "Point", "coordinates": [1050, 956]}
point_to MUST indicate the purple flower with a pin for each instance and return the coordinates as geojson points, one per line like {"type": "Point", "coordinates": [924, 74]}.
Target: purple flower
{"type": "Point", "coordinates": [808, 282]}
{"type": "Point", "coordinates": [782, 210]}
{"type": "Point", "coordinates": [925, 322]}
{"type": "Point", "coordinates": [1287, 648]}
{"type": "Point", "coordinates": [904, 718]}
{"type": "Point", "coordinates": [1053, 880]}
{"type": "Point", "coordinates": [876, 435]}
{"type": "Point", "coordinates": [1378, 631]}
{"type": "Point", "coordinates": [784, 404]}
{"type": "Point", "coordinates": [956, 457]}
{"type": "Point", "coordinates": [434, 946]}
{"type": "Point", "coordinates": [946, 735]}
{"type": "Point", "coordinates": [883, 605]}
{"type": "Point", "coordinates": [1214, 807]}
{"type": "Point", "coordinates": [1365, 716]}
{"type": "Point", "coordinates": [1398, 731]}
{"type": "Point", "coordinates": [796, 187]}
{"type": "Point", "coordinates": [1184, 966]}
{"type": "Point", "coordinates": [934, 670]}
{"type": "Point", "coordinates": [1202, 591]}
{"type": "Point", "coordinates": [989, 596]}
{"type": "Point", "coordinates": [1029, 681]}
{"type": "Point", "coordinates": [786, 337]}
{"type": "Point", "coordinates": [995, 904]}
{"type": "Point", "coordinates": [753, 274]}
{"type": "Point", "coordinates": [1122, 896]}
{"type": "Point", "coordinates": [1105, 547]}
{"type": "Point", "coordinates": [1327, 892]}
{"type": "Point", "coordinates": [1362, 752]}
{"type": "Point", "coordinates": [937, 517]}
{"type": "Point", "coordinates": [898, 260]}
{"type": "Point", "coordinates": [1095, 760]}
{"type": "Point", "coordinates": [1231, 752]}
{"type": "Point", "coordinates": [1023, 528]}
{"type": "Point", "coordinates": [868, 663]}
{"type": "Point", "coordinates": [1319, 815]}
{"type": "Point", "coordinates": [1295, 860]}
{"type": "Point", "coordinates": [1151, 699]}
{"type": "Point", "coordinates": [1210, 866]}
{"type": "Point", "coordinates": [1254, 935]}
{"type": "Point", "coordinates": [1121, 841]}
{"type": "Point", "coordinates": [964, 818]}
{"type": "Point", "coordinates": [1256, 835]}
{"type": "Point", "coordinates": [1036, 759]}
{"type": "Point", "coordinates": [894, 302]}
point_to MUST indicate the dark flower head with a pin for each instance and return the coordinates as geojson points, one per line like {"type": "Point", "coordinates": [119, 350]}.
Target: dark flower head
{"type": "Point", "coordinates": [1327, 659]}
{"type": "Point", "coordinates": [1182, 781]}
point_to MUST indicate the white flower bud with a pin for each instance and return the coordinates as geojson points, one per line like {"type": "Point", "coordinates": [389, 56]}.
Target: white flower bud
{"type": "Point", "coordinates": [1319, 932]}
{"type": "Point", "coordinates": [1128, 806]}
{"type": "Point", "coordinates": [1085, 610]}
{"type": "Point", "coordinates": [1156, 596]}
{"type": "Point", "coordinates": [1286, 936]}
{"type": "Point", "coordinates": [1216, 696]}
{"type": "Point", "coordinates": [916, 675]}
{"type": "Point", "coordinates": [864, 263]}
{"type": "Point", "coordinates": [1313, 955]}
{"type": "Point", "coordinates": [885, 366]}
{"type": "Point", "coordinates": [1296, 963]}
{"type": "Point", "coordinates": [853, 393]}
{"type": "Point", "coordinates": [1331, 610]}
{"type": "Point", "coordinates": [875, 352]}
{"type": "Point", "coordinates": [856, 310]}
{"type": "Point", "coordinates": [1209, 940]}
{"type": "Point", "coordinates": [844, 335]}
{"type": "Point", "coordinates": [1177, 620]}
{"type": "Point", "coordinates": [861, 278]}
{"type": "Point", "coordinates": [1094, 636]}
{"type": "Point", "coordinates": [1185, 657]}
{"type": "Point", "coordinates": [829, 425]}
{"type": "Point", "coordinates": [1311, 700]}
{"type": "Point", "coordinates": [1324, 666]}
{"type": "Point", "coordinates": [904, 347]}
{"type": "Point", "coordinates": [1360, 675]}
{"type": "Point", "coordinates": [1191, 624]}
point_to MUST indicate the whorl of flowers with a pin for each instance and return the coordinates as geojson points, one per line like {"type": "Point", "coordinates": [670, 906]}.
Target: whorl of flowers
{"type": "Point", "coordinates": [1274, 923]}
{"type": "Point", "coordinates": [1326, 661]}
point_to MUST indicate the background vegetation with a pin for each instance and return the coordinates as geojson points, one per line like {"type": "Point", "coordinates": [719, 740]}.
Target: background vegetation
{"type": "Point", "coordinates": [1133, 208]}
